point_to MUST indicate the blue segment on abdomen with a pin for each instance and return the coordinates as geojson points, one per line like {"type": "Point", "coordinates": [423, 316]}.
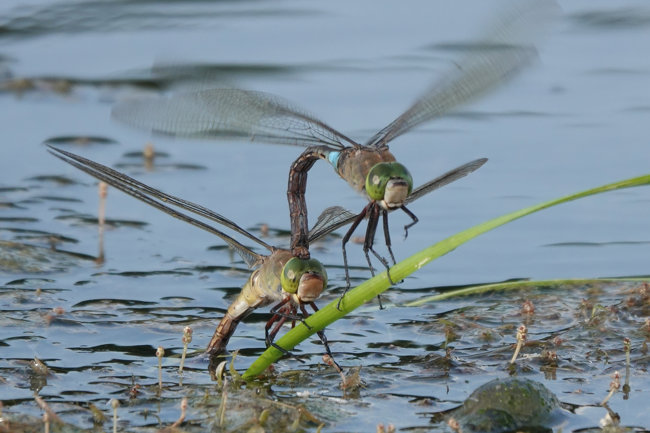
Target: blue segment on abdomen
{"type": "Point", "coordinates": [333, 158]}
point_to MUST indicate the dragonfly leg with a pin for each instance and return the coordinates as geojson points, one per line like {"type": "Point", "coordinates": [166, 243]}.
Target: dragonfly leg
{"type": "Point", "coordinates": [369, 241]}
{"type": "Point", "coordinates": [388, 243]}
{"type": "Point", "coordinates": [283, 313]}
{"type": "Point", "coordinates": [384, 215]}
{"type": "Point", "coordinates": [269, 334]}
{"type": "Point", "coordinates": [321, 335]}
{"type": "Point", "coordinates": [282, 310]}
{"type": "Point", "coordinates": [289, 313]}
{"type": "Point", "coordinates": [346, 238]}
{"type": "Point", "coordinates": [411, 224]}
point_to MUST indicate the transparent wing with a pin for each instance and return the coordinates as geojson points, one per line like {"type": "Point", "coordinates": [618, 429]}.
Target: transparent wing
{"type": "Point", "coordinates": [496, 59]}
{"type": "Point", "coordinates": [329, 220]}
{"type": "Point", "coordinates": [229, 113]}
{"type": "Point", "coordinates": [445, 179]}
{"type": "Point", "coordinates": [154, 197]}
{"type": "Point", "coordinates": [335, 217]}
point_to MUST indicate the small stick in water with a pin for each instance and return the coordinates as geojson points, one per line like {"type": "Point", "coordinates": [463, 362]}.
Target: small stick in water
{"type": "Point", "coordinates": [115, 404]}
{"type": "Point", "coordinates": [149, 154]}
{"type": "Point", "coordinates": [187, 339]}
{"type": "Point", "coordinates": [101, 220]}
{"type": "Point", "coordinates": [627, 344]}
{"type": "Point", "coordinates": [160, 352]}
{"type": "Point", "coordinates": [46, 422]}
{"type": "Point", "coordinates": [224, 400]}
{"type": "Point", "coordinates": [522, 332]}
{"type": "Point", "coordinates": [181, 418]}
{"type": "Point", "coordinates": [614, 385]}
{"type": "Point", "coordinates": [51, 416]}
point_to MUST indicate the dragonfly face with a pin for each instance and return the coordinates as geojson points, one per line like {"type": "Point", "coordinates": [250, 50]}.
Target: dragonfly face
{"type": "Point", "coordinates": [305, 279]}
{"type": "Point", "coordinates": [389, 183]}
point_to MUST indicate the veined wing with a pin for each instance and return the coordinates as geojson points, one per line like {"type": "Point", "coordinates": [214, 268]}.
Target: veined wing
{"type": "Point", "coordinates": [497, 58]}
{"type": "Point", "coordinates": [329, 220]}
{"type": "Point", "coordinates": [230, 113]}
{"type": "Point", "coordinates": [445, 179]}
{"type": "Point", "coordinates": [154, 197]}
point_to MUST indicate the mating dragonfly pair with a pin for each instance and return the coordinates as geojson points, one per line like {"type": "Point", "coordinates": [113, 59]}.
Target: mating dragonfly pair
{"type": "Point", "coordinates": [290, 278]}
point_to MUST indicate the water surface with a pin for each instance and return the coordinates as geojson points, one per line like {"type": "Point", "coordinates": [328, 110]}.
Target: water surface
{"type": "Point", "coordinates": [575, 119]}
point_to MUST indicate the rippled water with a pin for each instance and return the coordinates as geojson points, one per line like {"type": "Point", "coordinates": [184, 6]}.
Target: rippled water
{"type": "Point", "coordinates": [95, 316]}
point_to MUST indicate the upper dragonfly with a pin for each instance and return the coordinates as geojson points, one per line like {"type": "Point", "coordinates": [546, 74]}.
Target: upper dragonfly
{"type": "Point", "coordinates": [280, 277]}
{"type": "Point", "coordinates": [369, 168]}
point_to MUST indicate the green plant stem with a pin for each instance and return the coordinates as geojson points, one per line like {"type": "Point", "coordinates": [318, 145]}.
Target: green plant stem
{"type": "Point", "coordinates": [516, 285]}
{"type": "Point", "coordinates": [371, 288]}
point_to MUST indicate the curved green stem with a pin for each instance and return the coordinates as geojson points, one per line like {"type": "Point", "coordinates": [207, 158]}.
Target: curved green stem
{"type": "Point", "coordinates": [516, 285]}
{"type": "Point", "coordinates": [374, 286]}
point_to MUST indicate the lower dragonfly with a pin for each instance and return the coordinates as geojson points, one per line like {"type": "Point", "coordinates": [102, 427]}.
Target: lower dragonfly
{"type": "Point", "coordinates": [281, 278]}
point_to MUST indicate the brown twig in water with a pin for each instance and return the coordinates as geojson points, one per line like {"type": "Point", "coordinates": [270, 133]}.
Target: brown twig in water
{"type": "Point", "coordinates": [160, 352]}
{"type": "Point", "coordinates": [614, 386]}
{"type": "Point", "coordinates": [627, 344]}
{"type": "Point", "coordinates": [224, 399]}
{"type": "Point", "coordinates": [181, 418]}
{"type": "Point", "coordinates": [101, 220]}
{"type": "Point", "coordinates": [187, 339]}
{"type": "Point", "coordinates": [51, 415]}
{"type": "Point", "coordinates": [522, 332]}
{"type": "Point", "coordinates": [115, 404]}
{"type": "Point", "coordinates": [149, 154]}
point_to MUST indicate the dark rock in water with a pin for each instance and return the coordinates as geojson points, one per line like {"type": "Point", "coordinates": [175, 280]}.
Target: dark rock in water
{"type": "Point", "coordinates": [511, 404]}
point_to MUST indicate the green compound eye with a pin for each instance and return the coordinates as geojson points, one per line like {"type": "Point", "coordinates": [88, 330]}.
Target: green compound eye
{"type": "Point", "coordinates": [295, 268]}
{"type": "Point", "coordinates": [381, 173]}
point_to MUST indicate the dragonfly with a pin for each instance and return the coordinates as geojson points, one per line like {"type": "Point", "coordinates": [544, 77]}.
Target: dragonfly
{"type": "Point", "coordinates": [290, 282]}
{"type": "Point", "coordinates": [369, 168]}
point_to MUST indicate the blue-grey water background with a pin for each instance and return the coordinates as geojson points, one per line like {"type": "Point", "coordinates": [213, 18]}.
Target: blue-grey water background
{"type": "Point", "coordinates": [577, 118]}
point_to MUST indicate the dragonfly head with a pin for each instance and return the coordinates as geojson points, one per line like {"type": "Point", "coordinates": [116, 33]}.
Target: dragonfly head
{"type": "Point", "coordinates": [304, 278]}
{"type": "Point", "coordinates": [389, 183]}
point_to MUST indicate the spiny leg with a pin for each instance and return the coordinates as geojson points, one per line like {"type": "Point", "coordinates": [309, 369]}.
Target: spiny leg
{"type": "Point", "coordinates": [289, 313]}
{"type": "Point", "coordinates": [373, 220]}
{"type": "Point", "coordinates": [321, 334]}
{"type": "Point", "coordinates": [411, 224]}
{"type": "Point", "coordinates": [278, 319]}
{"type": "Point", "coordinates": [269, 334]}
{"type": "Point", "coordinates": [346, 238]}
{"type": "Point", "coordinates": [384, 214]}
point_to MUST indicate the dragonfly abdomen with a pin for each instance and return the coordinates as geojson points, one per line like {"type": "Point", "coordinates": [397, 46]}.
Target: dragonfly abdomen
{"type": "Point", "coordinates": [222, 334]}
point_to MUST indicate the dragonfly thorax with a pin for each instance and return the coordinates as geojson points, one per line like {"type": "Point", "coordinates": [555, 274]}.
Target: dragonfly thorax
{"type": "Point", "coordinates": [389, 183]}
